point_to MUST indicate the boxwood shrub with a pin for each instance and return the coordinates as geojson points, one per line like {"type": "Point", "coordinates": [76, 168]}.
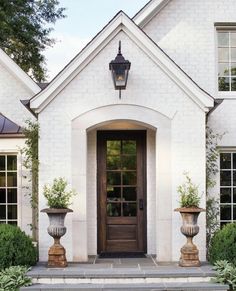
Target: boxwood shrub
{"type": "Point", "coordinates": [16, 248]}
{"type": "Point", "coordinates": [223, 245]}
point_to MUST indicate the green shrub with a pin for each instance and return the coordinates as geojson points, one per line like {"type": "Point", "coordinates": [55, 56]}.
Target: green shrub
{"type": "Point", "coordinates": [225, 274]}
{"type": "Point", "coordinates": [11, 279]}
{"type": "Point", "coordinates": [16, 248]}
{"type": "Point", "coordinates": [223, 244]}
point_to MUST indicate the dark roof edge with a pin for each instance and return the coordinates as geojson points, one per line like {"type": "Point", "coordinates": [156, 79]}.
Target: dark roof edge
{"type": "Point", "coordinates": [26, 103]}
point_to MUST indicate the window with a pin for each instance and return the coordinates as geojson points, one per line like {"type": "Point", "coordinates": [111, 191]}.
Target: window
{"type": "Point", "coordinates": [227, 187]}
{"type": "Point", "coordinates": [226, 60]}
{"type": "Point", "coordinates": [8, 189]}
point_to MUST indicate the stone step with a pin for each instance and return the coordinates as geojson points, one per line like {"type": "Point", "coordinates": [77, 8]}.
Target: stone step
{"type": "Point", "coordinates": [128, 287]}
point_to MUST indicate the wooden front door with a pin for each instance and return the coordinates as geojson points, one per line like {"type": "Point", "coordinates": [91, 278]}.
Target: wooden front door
{"type": "Point", "coordinates": [121, 173]}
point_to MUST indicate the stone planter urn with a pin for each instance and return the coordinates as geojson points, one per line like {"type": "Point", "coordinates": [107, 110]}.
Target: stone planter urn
{"type": "Point", "coordinates": [56, 229]}
{"type": "Point", "coordinates": [189, 252]}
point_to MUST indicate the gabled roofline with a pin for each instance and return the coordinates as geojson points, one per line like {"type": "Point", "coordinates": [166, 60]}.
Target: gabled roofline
{"type": "Point", "coordinates": [9, 64]}
{"type": "Point", "coordinates": [149, 11]}
{"type": "Point", "coordinates": [121, 22]}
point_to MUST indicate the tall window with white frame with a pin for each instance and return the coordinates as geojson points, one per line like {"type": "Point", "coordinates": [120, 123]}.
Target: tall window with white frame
{"type": "Point", "coordinates": [8, 189]}
{"type": "Point", "coordinates": [227, 187]}
{"type": "Point", "coordinates": [226, 60]}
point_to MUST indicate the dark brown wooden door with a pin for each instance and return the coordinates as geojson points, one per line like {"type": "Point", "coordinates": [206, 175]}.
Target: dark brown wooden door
{"type": "Point", "coordinates": [121, 173]}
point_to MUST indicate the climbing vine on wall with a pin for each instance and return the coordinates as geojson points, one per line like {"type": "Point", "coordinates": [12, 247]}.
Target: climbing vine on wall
{"type": "Point", "coordinates": [212, 203]}
{"type": "Point", "coordinates": [31, 163]}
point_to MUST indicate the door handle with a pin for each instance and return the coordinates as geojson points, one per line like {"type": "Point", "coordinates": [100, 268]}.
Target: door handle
{"type": "Point", "coordinates": [141, 206]}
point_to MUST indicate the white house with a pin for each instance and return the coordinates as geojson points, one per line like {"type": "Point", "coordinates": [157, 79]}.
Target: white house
{"type": "Point", "coordinates": [125, 152]}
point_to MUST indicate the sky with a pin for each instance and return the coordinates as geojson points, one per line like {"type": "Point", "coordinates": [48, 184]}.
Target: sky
{"type": "Point", "coordinates": [85, 18]}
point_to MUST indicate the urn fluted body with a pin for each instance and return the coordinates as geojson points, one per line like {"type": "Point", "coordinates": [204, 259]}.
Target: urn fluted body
{"type": "Point", "coordinates": [189, 252]}
{"type": "Point", "coordinates": [56, 229]}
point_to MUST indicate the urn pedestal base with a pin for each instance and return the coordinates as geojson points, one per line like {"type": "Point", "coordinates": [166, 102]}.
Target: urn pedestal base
{"type": "Point", "coordinates": [57, 256]}
{"type": "Point", "coordinates": [189, 256]}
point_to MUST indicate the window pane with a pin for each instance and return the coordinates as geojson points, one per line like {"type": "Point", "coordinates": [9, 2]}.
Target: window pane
{"type": "Point", "coordinates": [2, 163]}
{"type": "Point", "coordinates": [234, 195]}
{"type": "Point", "coordinates": [234, 161]}
{"type": "Point", "coordinates": [2, 196]}
{"type": "Point", "coordinates": [129, 147]}
{"type": "Point", "coordinates": [12, 195]}
{"type": "Point", "coordinates": [11, 179]}
{"type": "Point", "coordinates": [233, 69]}
{"type": "Point", "coordinates": [113, 162]}
{"type": "Point", "coordinates": [12, 222]}
{"type": "Point", "coordinates": [2, 212]}
{"type": "Point", "coordinates": [225, 160]}
{"type": "Point", "coordinates": [2, 179]}
{"type": "Point", "coordinates": [11, 163]}
{"type": "Point", "coordinates": [129, 209]}
{"type": "Point", "coordinates": [223, 54]}
{"type": "Point", "coordinates": [225, 195]}
{"type": "Point", "coordinates": [233, 39]}
{"type": "Point", "coordinates": [129, 193]}
{"type": "Point", "coordinates": [223, 39]}
{"type": "Point", "coordinates": [129, 163]}
{"type": "Point", "coordinates": [129, 178]}
{"type": "Point", "coordinates": [233, 54]}
{"type": "Point", "coordinates": [234, 178]}
{"type": "Point", "coordinates": [113, 147]}
{"type": "Point", "coordinates": [223, 84]}
{"type": "Point", "coordinates": [233, 84]}
{"type": "Point", "coordinates": [225, 212]}
{"type": "Point", "coordinates": [113, 193]}
{"type": "Point", "coordinates": [113, 209]}
{"type": "Point", "coordinates": [225, 178]}
{"type": "Point", "coordinates": [113, 178]}
{"type": "Point", "coordinates": [234, 212]}
{"type": "Point", "coordinates": [12, 211]}
{"type": "Point", "coordinates": [223, 69]}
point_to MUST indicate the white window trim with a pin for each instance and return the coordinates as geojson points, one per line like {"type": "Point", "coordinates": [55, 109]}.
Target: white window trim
{"type": "Point", "coordinates": [222, 27]}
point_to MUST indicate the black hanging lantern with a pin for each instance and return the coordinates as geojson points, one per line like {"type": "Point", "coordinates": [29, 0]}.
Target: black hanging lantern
{"type": "Point", "coordinates": [119, 69]}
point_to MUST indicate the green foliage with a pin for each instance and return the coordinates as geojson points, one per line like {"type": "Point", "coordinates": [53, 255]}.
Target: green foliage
{"type": "Point", "coordinates": [56, 195]}
{"type": "Point", "coordinates": [212, 203]}
{"type": "Point", "coordinates": [12, 278]}
{"type": "Point", "coordinates": [31, 162]}
{"type": "Point", "coordinates": [222, 245]}
{"type": "Point", "coordinates": [188, 191]}
{"type": "Point", "coordinates": [225, 274]}
{"type": "Point", "coordinates": [24, 32]}
{"type": "Point", "coordinates": [16, 248]}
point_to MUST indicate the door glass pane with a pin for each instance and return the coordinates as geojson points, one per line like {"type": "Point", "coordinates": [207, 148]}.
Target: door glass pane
{"type": "Point", "coordinates": [225, 178]}
{"type": "Point", "coordinates": [225, 195]}
{"type": "Point", "coordinates": [113, 193]}
{"type": "Point", "coordinates": [129, 193]}
{"type": "Point", "coordinates": [225, 161]}
{"type": "Point", "coordinates": [113, 209]}
{"type": "Point", "coordinates": [129, 162]}
{"type": "Point", "coordinates": [129, 147]}
{"type": "Point", "coordinates": [223, 39]}
{"type": "Point", "coordinates": [113, 178]}
{"type": "Point", "coordinates": [2, 179]}
{"type": "Point", "coordinates": [225, 212]}
{"type": "Point", "coordinates": [2, 196]}
{"type": "Point", "coordinates": [11, 163]}
{"type": "Point", "coordinates": [129, 209]}
{"type": "Point", "coordinates": [11, 179]}
{"type": "Point", "coordinates": [113, 147]}
{"type": "Point", "coordinates": [129, 178]}
{"type": "Point", "coordinates": [12, 211]}
{"type": "Point", "coordinates": [2, 163]}
{"type": "Point", "coordinates": [12, 195]}
{"type": "Point", "coordinates": [113, 162]}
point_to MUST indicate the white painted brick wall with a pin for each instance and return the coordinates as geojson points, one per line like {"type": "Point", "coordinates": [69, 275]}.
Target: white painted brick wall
{"type": "Point", "coordinates": [11, 92]}
{"type": "Point", "coordinates": [148, 87]}
{"type": "Point", "coordinates": [185, 31]}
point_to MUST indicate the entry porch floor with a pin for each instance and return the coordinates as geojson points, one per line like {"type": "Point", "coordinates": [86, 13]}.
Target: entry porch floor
{"type": "Point", "coordinates": [123, 274]}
